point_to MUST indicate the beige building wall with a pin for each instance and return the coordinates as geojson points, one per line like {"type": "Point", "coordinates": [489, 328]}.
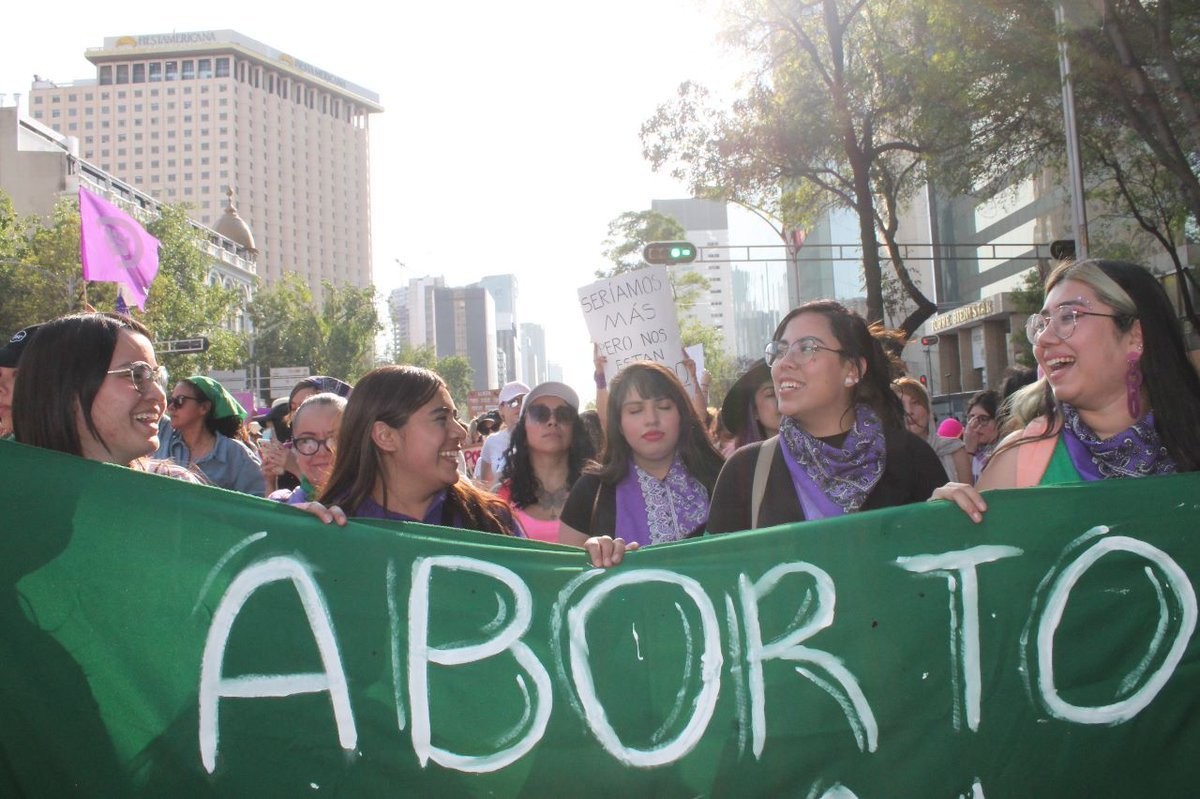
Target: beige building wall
{"type": "Point", "coordinates": [184, 115]}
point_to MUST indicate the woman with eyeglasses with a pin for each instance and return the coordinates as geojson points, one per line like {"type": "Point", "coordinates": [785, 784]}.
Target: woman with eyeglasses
{"type": "Point", "coordinates": [90, 385]}
{"type": "Point", "coordinates": [549, 449]}
{"type": "Point", "coordinates": [982, 430]}
{"type": "Point", "coordinates": [207, 434]}
{"type": "Point", "coordinates": [1119, 397]}
{"type": "Point", "coordinates": [656, 475]}
{"type": "Point", "coordinates": [315, 427]}
{"type": "Point", "coordinates": [397, 458]}
{"type": "Point", "coordinates": [842, 445]}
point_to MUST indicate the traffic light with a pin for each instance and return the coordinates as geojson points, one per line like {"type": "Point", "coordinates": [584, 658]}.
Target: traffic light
{"type": "Point", "coordinates": [924, 381]}
{"type": "Point", "coordinates": [928, 341]}
{"type": "Point", "coordinates": [669, 252]}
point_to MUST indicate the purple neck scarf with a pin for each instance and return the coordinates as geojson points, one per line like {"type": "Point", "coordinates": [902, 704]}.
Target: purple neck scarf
{"type": "Point", "coordinates": [653, 511]}
{"type": "Point", "coordinates": [842, 477]}
{"type": "Point", "coordinates": [1134, 452]}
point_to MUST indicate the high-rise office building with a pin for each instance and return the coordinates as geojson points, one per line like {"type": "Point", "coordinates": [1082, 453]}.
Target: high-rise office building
{"type": "Point", "coordinates": [533, 351]}
{"type": "Point", "coordinates": [706, 223]}
{"type": "Point", "coordinates": [412, 310]}
{"type": "Point", "coordinates": [185, 115]}
{"type": "Point", "coordinates": [465, 324]}
{"type": "Point", "coordinates": [503, 289]}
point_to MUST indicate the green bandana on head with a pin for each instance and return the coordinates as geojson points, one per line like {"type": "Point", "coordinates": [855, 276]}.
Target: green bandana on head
{"type": "Point", "coordinates": [224, 404]}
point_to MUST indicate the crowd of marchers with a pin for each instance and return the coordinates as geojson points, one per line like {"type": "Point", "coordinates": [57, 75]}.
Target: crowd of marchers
{"type": "Point", "coordinates": [824, 425]}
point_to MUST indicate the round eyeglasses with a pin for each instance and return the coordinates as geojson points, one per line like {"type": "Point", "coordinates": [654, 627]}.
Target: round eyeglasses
{"type": "Point", "coordinates": [1061, 321]}
{"type": "Point", "coordinates": [802, 350]}
{"type": "Point", "coordinates": [310, 445]}
{"type": "Point", "coordinates": [142, 374]}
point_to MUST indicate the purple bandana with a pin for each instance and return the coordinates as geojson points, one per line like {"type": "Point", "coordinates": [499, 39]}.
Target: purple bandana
{"type": "Point", "coordinates": [653, 511]}
{"type": "Point", "coordinates": [844, 476]}
{"type": "Point", "coordinates": [1134, 452]}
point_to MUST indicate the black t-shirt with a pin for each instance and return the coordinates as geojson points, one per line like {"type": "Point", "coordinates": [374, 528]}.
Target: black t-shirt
{"type": "Point", "coordinates": [911, 474]}
{"type": "Point", "coordinates": [585, 510]}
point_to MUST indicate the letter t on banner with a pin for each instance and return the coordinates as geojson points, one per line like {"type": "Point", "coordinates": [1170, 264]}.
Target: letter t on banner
{"type": "Point", "coordinates": [114, 248]}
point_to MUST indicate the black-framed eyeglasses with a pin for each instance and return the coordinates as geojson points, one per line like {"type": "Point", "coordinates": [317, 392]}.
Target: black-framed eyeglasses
{"type": "Point", "coordinates": [310, 445]}
{"type": "Point", "coordinates": [802, 349]}
{"type": "Point", "coordinates": [176, 402]}
{"type": "Point", "coordinates": [563, 414]}
{"type": "Point", "coordinates": [142, 373]}
{"type": "Point", "coordinates": [1061, 321]}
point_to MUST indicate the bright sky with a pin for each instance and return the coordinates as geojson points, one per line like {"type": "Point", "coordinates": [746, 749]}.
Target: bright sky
{"type": "Point", "coordinates": [509, 138]}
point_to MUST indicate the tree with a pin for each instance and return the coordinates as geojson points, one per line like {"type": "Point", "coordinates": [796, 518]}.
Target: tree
{"type": "Point", "coordinates": [41, 278]}
{"type": "Point", "coordinates": [181, 302]}
{"type": "Point", "coordinates": [337, 339]}
{"type": "Point", "coordinates": [630, 232]}
{"type": "Point", "coordinates": [456, 370]}
{"type": "Point", "coordinates": [856, 105]}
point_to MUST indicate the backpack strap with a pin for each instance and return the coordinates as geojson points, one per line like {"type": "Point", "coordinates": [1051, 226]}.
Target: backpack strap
{"type": "Point", "coordinates": [762, 470]}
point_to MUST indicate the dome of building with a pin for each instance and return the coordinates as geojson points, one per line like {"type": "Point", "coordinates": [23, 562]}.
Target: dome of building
{"type": "Point", "coordinates": [234, 228]}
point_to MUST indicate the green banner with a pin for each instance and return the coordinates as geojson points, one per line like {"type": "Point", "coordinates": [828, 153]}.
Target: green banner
{"type": "Point", "coordinates": [165, 639]}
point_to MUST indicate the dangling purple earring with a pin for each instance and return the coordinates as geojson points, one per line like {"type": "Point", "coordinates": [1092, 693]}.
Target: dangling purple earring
{"type": "Point", "coordinates": [1133, 386]}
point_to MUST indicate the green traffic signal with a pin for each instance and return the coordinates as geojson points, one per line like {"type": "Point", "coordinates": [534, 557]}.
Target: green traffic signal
{"type": "Point", "coordinates": [669, 252]}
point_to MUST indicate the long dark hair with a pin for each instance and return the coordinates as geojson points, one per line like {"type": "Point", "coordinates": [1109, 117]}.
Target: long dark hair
{"type": "Point", "coordinates": [229, 426]}
{"type": "Point", "coordinates": [62, 369]}
{"type": "Point", "coordinates": [1168, 376]}
{"type": "Point", "coordinates": [654, 381]}
{"type": "Point", "coordinates": [518, 466]}
{"type": "Point", "coordinates": [874, 387]}
{"type": "Point", "coordinates": [392, 394]}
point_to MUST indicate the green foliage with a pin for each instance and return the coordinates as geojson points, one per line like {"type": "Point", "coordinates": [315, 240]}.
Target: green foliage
{"type": "Point", "coordinates": [182, 304]}
{"type": "Point", "coordinates": [337, 339]}
{"type": "Point", "coordinates": [456, 370]}
{"type": "Point", "coordinates": [1028, 300]}
{"type": "Point", "coordinates": [630, 232]}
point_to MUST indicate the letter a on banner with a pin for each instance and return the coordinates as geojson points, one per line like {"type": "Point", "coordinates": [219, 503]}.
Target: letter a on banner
{"type": "Point", "coordinates": [114, 248]}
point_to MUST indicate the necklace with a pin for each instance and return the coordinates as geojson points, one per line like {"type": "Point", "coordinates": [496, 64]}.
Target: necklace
{"type": "Point", "coordinates": [552, 501]}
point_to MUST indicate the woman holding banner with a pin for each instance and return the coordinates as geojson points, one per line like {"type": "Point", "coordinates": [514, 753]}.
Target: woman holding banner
{"type": "Point", "coordinates": [549, 449]}
{"type": "Point", "coordinates": [1119, 397]}
{"type": "Point", "coordinates": [397, 458]}
{"type": "Point", "coordinates": [842, 445]}
{"type": "Point", "coordinates": [657, 473]}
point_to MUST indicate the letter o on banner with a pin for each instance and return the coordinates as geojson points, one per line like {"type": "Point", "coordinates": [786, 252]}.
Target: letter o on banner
{"type": "Point", "coordinates": [1056, 601]}
{"type": "Point", "coordinates": [711, 660]}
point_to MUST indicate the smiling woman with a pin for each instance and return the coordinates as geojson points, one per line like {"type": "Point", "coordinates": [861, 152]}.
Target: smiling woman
{"type": "Point", "coordinates": [90, 385]}
{"type": "Point", "coordinates": [842, 445]}
{"type": "Point", "coordinates": [397, 458]}
{"type": "Point", "coordinates": [1119, 398]}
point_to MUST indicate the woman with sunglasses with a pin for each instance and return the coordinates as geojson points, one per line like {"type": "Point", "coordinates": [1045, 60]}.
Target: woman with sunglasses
{"type": "Point", "coordinates": [90, 385]}
{"type": "Point", "coordinates": [1119, 397]}
{"type": "Point", "coordinates": [207, 434]}
{"type": "Point", "coordinates": [397, 458]}
{"type": "Point", "coordinates": [842, 445]}
{"type": "Point", "coordinates": [549, 449]}
{"type": "Point", "coordinates": [315, 427]}
{"type": "Point", "coordinates": [657, 473]}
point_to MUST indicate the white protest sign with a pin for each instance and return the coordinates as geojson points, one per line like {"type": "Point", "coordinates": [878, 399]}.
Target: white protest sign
{"type": "Point", "coordinates": [631, 317]}
{"type": "Point", "coordinates": [696, 353]}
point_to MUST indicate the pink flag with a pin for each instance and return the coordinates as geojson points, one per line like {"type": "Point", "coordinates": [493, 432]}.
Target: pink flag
{"type": "Point", "coordinates": [115, 248]}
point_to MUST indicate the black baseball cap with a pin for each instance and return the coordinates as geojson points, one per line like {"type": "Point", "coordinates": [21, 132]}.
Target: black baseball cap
{"type": "Point", "coordinates": [10, 353]}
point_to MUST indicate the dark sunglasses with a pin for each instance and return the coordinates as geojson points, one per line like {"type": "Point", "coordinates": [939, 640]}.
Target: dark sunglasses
{"type": "Point", "coordinates": [515, 402]}
{"type": "Point", "coordinates": [175, 403]}
{"type": "Point", "coordinates": [540, 414]}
